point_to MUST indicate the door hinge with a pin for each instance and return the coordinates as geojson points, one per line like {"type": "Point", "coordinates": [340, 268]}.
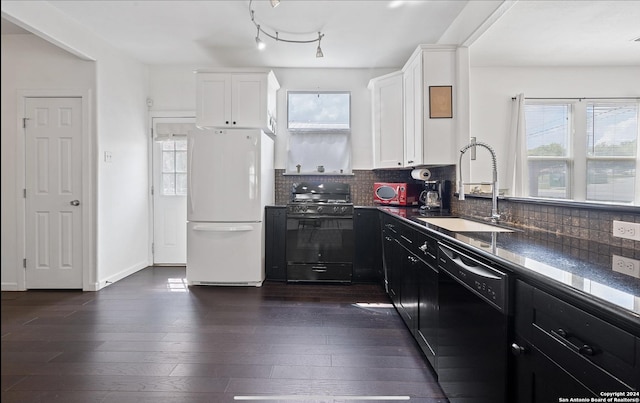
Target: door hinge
{"type": "Point", "coordinates": [152, 190]}
{"type": "Point", "coordinates": [153, 247]}
{"type": "Point", "coordinates": [24, 193]}
{"type": "Point", "coordinates": [24, 263]}
{"type": "Point", "coordinates": [24, 123]}
{"type": "Point", "coordinates": [151, 130]}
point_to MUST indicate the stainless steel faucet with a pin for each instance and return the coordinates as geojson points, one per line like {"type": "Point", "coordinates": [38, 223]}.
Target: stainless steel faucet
{"type": "Point", "coordinates": [495, 216]}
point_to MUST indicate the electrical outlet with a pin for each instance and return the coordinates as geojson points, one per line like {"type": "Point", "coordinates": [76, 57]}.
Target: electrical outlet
{"type": "Point", "coordinates": [108, 157]}
{"type": "Point", "coordinates": [626, 266]}
{"type": "Point", "coordinates": [627, 230]}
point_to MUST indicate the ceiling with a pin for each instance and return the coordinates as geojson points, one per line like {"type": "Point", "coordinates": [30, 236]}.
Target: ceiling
{"type": "Point", "coordinates": [363, 34]}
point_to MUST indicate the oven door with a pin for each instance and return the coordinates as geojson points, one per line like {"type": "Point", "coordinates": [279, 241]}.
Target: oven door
{"type": "Point", "coordinates": [319, 248]}
{"type": "Point", "coordinates": [319, 239]}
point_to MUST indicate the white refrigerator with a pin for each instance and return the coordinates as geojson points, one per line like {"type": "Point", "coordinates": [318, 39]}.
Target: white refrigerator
{"type": "Point", "coordinates": [230, 181]}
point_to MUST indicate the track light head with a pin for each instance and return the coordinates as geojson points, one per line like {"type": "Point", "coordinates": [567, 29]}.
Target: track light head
{"type": "Point", "coordinates": [319, 49]}
{"type": "Point", "coordinates": [275, 3]}
{"type": "Point", "coordinates": [259, 43]}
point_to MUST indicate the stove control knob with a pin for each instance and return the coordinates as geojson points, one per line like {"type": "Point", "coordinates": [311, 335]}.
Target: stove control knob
{"type": "Point", "coordinates": [319, 209]}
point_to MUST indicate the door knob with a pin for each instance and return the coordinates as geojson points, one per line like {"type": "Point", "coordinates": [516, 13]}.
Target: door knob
{"type": "Point", "coordinates": [75, 202]}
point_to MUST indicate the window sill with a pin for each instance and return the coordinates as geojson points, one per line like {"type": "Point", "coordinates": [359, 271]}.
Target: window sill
{"type": "Point", "coordinates": [621, 208]}
{"type": "Point", "coordinates": [317, 174]}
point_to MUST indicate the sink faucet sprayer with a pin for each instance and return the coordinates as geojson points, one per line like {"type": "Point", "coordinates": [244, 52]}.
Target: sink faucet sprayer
{"type": "Point", "coordinates": [495, 216]}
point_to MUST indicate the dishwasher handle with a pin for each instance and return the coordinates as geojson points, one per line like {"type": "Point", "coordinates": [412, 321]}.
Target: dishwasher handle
{"type": "Point", "coordinates": [478, 269]}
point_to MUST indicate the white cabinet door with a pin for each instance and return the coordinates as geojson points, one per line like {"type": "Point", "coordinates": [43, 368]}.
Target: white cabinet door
{"type": "Point", "coordinates": [213, 102]}
{"type": "Point", "coordinates": [230, 100]}
{"type": "Point", "coordinates": [413, 113]}
{"type": "Point", "coordinates": [388, 121]}
{"type": "Point", "coordinates": [248, 100]}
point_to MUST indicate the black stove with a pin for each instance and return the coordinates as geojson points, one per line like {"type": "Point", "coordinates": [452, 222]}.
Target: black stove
{"type": "Point", "coordinates": [320, 233]}
{"type": "Point", "coordinates": [320, 199]}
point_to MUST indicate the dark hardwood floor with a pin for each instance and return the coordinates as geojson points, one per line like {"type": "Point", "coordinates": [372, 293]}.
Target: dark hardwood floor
{"type": "Point", "coordinates": [150, 338]}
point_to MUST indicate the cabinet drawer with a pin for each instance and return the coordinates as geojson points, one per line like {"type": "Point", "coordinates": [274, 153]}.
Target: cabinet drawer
{"type": "Point", "coordinates": [586, 346]}
{"type": "Point", "coordinates": [335, 273]}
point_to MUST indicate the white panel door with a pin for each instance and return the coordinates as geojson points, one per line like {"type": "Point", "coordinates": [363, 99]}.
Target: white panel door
{"type": "Point", "coordinates": [170, 196]}
{"type": "Point", "coordinates": [53, 209]}
{"type": "Point", "coordinates": [224, 176]}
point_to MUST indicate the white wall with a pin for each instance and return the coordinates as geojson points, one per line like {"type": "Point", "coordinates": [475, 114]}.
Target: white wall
{"type": "Point", "coordinates": [23, 58]}
{"type": "Point", "coordinates": [491, 90]}
{"type": "Point", "coordinates": [172, 88]}
{"type": "Point", "coordinates": [120, 190]}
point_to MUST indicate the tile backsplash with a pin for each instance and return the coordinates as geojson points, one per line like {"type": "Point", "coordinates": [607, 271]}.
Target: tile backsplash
{"type": "Point", "coordinates": [361, 182]}
{"type": "Point", "coordinates": [578, 221]}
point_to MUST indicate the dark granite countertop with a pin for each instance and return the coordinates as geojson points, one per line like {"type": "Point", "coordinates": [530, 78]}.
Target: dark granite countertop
{"type": "Point", "coordinates": [579, 269]}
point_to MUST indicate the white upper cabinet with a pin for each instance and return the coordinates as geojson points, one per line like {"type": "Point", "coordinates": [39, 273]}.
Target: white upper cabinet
{"type": "Point", "coordinates": [429, 140]}
{"type": "Point", "coordinates": [388, 121]}
{"type": "Point", "coordinates": [413, 101]}
{"type": "Point", "coordinates": [243, 100]}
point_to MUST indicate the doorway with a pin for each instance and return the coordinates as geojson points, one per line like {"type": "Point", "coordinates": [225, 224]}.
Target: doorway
{"type": "Point", "coordinates": [53, 192]}
{"type": "Point", "coordinates": [169, 171]}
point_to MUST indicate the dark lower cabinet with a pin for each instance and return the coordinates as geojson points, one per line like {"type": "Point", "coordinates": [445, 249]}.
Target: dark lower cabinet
{"type": "Point", "coordinates": [539, 379]}
{"type": "Point", "coordinates": [408, 306]}
{"type": "Point", "coordinates": [428, 305]}
{"type": "Point", "coordinates": [391, 257]}
{"type": "Point", "coordinates": [564, 352]}
{"type": "Point", "coordinates": [411, 279]}
{"type": "Point", "coordinates": [367, 259]}
{"type": "Point", "coordinates": [275, 228]}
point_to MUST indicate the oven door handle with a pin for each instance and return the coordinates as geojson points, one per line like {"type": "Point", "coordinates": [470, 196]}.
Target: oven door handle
{"type": "Point", "coordinates": [319, 269]}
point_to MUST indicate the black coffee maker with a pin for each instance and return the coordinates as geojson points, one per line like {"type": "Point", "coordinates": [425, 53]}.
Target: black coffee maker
{"type": "Point", "coordinates": [436, 196]}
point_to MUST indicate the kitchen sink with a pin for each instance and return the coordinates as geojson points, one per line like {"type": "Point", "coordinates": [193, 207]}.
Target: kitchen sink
{"type": "Point", "coordinates": [456, 224]}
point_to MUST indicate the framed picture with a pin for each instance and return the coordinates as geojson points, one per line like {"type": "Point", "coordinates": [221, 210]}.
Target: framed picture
{"type": "Point", "coordinates": [440, 102]}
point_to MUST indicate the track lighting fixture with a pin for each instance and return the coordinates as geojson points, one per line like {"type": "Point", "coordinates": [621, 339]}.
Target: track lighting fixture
{"type": "Point", "coordinates": [261, 45]}
{"type": "Point", "coordinates": [319, 50]}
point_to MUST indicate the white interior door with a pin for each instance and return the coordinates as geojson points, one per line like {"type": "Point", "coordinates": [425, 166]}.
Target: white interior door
{"type": "Point", "coordinates": [170, 190]}
{"type": "Point", "coordinates": [53, 208]}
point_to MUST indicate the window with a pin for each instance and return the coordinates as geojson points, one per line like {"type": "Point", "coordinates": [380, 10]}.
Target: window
{"type": "Point", "coordinates": [319, 126]}
{"type": "Point", "coordinates": [583, 150]}
{"type": "Point", "coordinates": [174, 167]}
{"type": "Point", "coordinates": [318, 111]}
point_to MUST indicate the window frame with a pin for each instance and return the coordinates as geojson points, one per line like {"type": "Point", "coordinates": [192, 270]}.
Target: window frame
{"type": "Point", "coordinates": [578, 157]}
{"type": "Point", "coordinates": [174, 172]}
{"type": "Point", "coordinates": [318, 129]}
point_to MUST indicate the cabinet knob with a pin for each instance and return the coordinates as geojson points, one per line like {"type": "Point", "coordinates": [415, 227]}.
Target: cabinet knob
{"type": "Point", "coordinates": [517, 349]}
{"type": "Point", "coordinates": [234, 122]}
{"type": "Point", "coordinates": [226, 122]}
{"type": "Point", "coordinates": [399, 163]}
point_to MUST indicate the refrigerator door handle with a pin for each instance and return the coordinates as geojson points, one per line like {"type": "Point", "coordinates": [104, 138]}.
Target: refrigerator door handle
{"type": "Point", "coordinates": [231, 228]}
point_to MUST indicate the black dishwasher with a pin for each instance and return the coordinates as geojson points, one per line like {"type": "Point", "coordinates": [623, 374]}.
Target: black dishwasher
{"type": "Point", "coordinates": [474, 330]}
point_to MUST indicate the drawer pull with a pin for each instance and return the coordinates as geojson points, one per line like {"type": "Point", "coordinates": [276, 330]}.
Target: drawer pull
{"type": "Point", "coordinates": [582, 347]}
{"type": "Point", "coordinates": [517, 349]}
{"type": "Point", "coordinates": [587, 350]}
